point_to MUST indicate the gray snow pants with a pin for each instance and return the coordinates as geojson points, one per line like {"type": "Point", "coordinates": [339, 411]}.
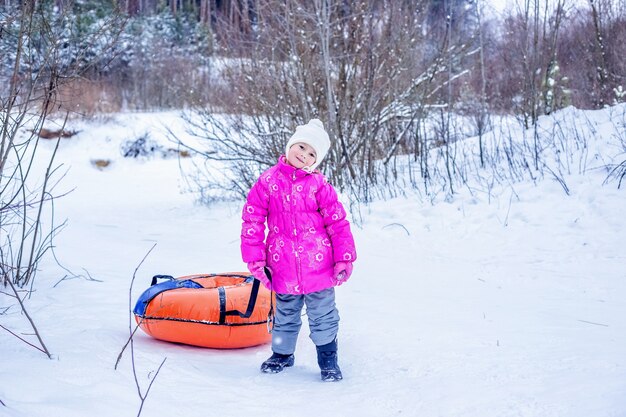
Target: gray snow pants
{"type": "Point", "coordinates": [322, 314]}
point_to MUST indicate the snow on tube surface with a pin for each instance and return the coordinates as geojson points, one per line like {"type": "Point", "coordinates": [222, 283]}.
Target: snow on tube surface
{"type": "Point", "coordinates": [224, 311]}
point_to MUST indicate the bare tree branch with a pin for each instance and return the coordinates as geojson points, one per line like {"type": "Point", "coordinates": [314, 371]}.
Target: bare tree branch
{"type": "Point", "coordinates": [43, 347]}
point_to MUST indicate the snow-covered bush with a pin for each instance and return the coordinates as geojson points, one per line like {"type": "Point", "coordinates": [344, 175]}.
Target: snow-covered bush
{"type": "Point", "coordinates": [368, 73]}
{"type": "Point", "coordinates": [45, 48]}
{"type": "Point", "coordinates": [141, 146]}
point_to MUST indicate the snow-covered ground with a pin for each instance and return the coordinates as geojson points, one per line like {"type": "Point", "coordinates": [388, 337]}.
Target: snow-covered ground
{"type": "Point", "coordinates": [508, 307]}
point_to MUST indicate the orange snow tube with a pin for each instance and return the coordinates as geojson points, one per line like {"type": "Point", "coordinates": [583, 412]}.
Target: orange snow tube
{"type": "Point", "coordinates": [227, 310]}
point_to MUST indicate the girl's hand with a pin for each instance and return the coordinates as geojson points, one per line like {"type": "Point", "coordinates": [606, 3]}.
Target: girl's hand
{"type": "Point", "coordinates": [257, 268]}
{"type": "Point", "coordinates": [342, 272]}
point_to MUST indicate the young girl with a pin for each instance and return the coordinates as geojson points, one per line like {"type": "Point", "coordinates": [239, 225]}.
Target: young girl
{"type": "Point", "coordinates": [308, 251]}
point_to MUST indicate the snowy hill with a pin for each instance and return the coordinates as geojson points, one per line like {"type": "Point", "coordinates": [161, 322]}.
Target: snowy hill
{"type": "Point", "coordinates": [507, 304]}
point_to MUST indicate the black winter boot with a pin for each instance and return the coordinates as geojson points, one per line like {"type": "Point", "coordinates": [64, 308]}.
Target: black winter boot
{"type": "Point", "coordinates": [327, 360]}
{"type": "Point", "coordinates": [276, 363]}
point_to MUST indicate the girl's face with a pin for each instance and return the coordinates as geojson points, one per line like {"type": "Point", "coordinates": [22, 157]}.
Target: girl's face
{"type": "Point", "coordinates": [301, 155]}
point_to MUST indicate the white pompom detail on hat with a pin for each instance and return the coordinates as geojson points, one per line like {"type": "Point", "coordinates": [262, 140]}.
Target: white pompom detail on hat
{"type": "Point", "coordinates": [314, 135]}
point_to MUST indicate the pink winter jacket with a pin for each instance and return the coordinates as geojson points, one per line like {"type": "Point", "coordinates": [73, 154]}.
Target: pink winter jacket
{"type": "Point", "coordinates": [308, 230]}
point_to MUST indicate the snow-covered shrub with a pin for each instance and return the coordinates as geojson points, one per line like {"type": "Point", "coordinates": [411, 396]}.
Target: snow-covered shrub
{"type": "Point", "coordinates": [144, 146]}
{"type": "Point", "coordinates": [45, 48]}
{"type": "Point", "coordinates": [370, 75]}
{"type": "Point", "coordinates": [141, 146]}
{"type": "Point", "coordinates": [618, 170]}
{"type": "Point", "coordinates": [620, 94]}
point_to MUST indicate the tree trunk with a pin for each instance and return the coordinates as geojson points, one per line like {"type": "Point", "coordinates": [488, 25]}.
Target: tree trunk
{"type": "Point", "coordinates": [601, 67]}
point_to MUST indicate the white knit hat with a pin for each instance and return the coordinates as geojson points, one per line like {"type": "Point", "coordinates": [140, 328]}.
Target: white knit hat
{"type": "Point", "coordinates": [314, 135]}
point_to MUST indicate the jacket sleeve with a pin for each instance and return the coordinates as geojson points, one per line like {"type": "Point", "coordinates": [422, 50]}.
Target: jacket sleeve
{"type": "Point", "coordinates": [336, 224]}
{"type": "Point", "coordinates": [254, 215]}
